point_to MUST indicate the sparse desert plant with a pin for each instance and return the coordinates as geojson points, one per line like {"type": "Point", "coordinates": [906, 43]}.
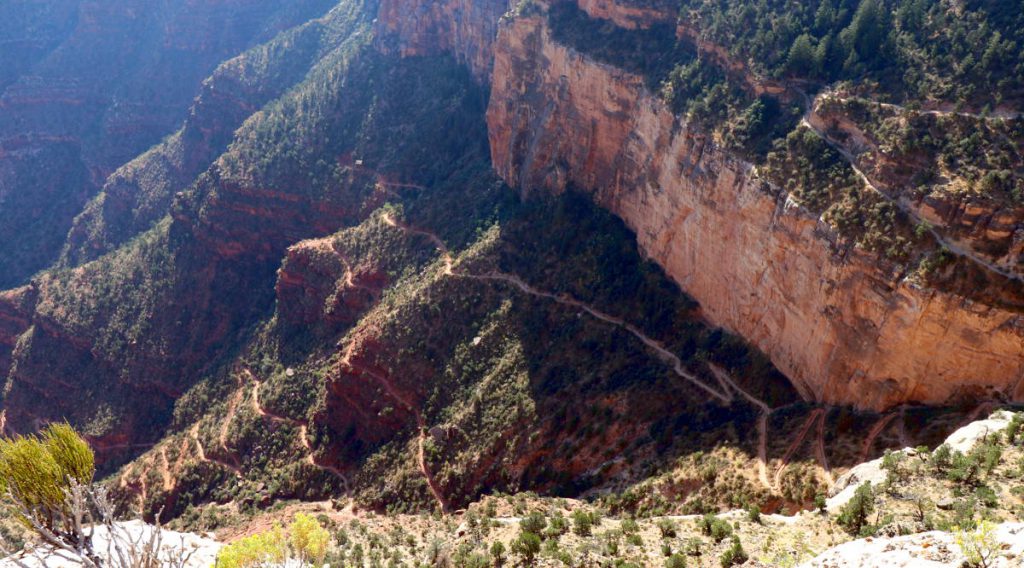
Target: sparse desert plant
{"type": "Point", "coordinates": [527, 545]}
{"type": "Point", "coordinates": [714, 527]}
{"type": "Point", "coordinates": [668, 528]}
{"type": "Point", "coordinates": [942, 458]}
{"type": "Point", "coordinates": [734, 554]}
{"type": "Point", "coordinates": [754, 513]}
{"type": "Point", "coordinates": [48, 479]}
{"type": "Point", "coordinates": [675, 561]}
{"type": "Point", "coordinates": [582, 523]}
{"type": "Point", "coordinates": [498, 553]}
{"type": "Point", "coordinates": [979, 546]}
{"type": "Point", "coordinates": [534, 523]}
{"type": "Point", "coordinates": [38, 472]}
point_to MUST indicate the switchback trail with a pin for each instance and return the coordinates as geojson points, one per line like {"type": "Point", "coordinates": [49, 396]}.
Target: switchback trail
{"type": "Point", "coordinates": [201, 453]}
{"type": "Point", "coordinates": [726, 384]}
{"type": "Point", "coordinates": [409, 404]}
{"type": "Point", "coordinates": [303, 431]}
{"type": "Point", "coordinates": [165, 470]}
{"type": "Point", "coordinates": [819, 450]}
{"type": "Point", "coordinates": [814, 416]}
{"type": "Point", "coordinates": [877, 429]}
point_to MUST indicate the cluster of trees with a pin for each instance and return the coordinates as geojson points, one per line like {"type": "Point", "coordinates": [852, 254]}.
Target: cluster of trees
{"type": "Point", "coordinates": [910, 47]}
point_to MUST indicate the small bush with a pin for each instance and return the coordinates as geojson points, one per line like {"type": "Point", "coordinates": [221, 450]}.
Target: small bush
{"type": "Point", "coordinates": [534, 523]}
{"type": "Point", "coordinates": [754, 513]}
{"type": "Point", "coordinates": [269, 547]}
{"type": "Point", "coordinates": [854, 515]}
{"type": "Point", "coordinates": [714, 527]}
{"type": "Point", "coordinates": [39, 472]}
{"type": "Point", "coordinates": [629, 526]}
{"type": "Point", "coordinates": [582, 523]}
{"type": "Point", "coordinates": [979, 546]}
{"type": "Point", "coordinates": [675, 561]}
{"type": "Point", "coordinates": [942, 458]}
{"type": "Point", "coordinates": [309, 540]}
{"type": "Point", "coordinates": [734, 554]}
{"type": "Point", "coordinates": [527, 545]}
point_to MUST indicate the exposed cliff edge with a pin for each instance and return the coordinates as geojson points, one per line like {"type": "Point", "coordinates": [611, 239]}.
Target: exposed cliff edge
{"type": "Point", "coordinates": [843, 328]}
{"type": "Point", "coordinates": [465, 29]}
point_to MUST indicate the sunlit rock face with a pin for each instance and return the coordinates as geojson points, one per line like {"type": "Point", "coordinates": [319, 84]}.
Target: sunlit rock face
{"type": "Point", "coordinates": [843, 328]}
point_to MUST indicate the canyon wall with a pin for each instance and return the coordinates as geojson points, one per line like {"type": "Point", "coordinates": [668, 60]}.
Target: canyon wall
{"type": "Point", "coordinates": [464, 29]}
{"type": "Point", "coordinates": [840, 326]}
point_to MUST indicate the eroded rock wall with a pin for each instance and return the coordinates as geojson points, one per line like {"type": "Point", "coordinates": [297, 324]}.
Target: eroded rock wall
{"type": "Point", "coordinates": [843, 328]}
{"type": "Point", "coordinates": [465, 29]}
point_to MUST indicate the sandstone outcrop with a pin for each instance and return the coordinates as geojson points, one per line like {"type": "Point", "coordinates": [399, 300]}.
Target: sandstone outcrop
{"type": "Point", "coordinates": [466, 29]}
{"type": "Point", "coordinates": [841, 326]}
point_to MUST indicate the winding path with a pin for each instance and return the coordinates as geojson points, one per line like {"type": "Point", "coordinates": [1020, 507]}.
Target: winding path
{"type": "Point", "coordinates": [819, 449]}
{"type": "Point", "coordinates": [903, 206]}
{"type": "Point", "coordinates": [727, 386]}
{"type": "Point", "coordinates": [869, 441]}
{"type": "Point", "coordinates": [813, 417]}
{"type": "Point", "coordinates": [303, 431]}
{"type": "Point", "coordinates": [201, 453]}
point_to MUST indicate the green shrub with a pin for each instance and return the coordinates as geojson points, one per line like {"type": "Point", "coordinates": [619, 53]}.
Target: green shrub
{"type": "Point", "coordinates": [675, 561]}
{"type": "Point", "coordinates": [527, 545]}
{"type": "Point", "coordinates": [854, 515]}
{"type": "Point", "coordinates": [668, 528]}
{"type": "Point", "coordinates": [734, 554]}
{"type": "Point", "coordinates": [714, 527]}
{"type": "Point", "coordinates": [534, 523]}
{"type": "Point", "coordinates": [963, 468]}
{"type": "Point", "coordinates": [582, 522]}
{"type": "Point", "coordinates": [1013, 430]}
{"type": "Point", "coordinates": [942, 458]}
{"type": "Point", "coordinates": [557, 526]}
{"type": "Point", "coordinates": [629, 526]}
{"type": "Point", "coordinates": [39, 472]}
{"type": "Point", "coordinates": [498, 553]}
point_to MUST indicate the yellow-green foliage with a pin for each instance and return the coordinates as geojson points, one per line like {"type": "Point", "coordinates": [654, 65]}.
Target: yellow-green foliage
{"type": "Point", "coordinates": [979, 546]}
{"type": "Point", "coordinates": [305, 541]}
{"type": "Point", "coordinates": [38, 471]}
{"type": "Point", "coordinates": [309, 540]}
{"type": "Point", "coordinates": [269, 547]}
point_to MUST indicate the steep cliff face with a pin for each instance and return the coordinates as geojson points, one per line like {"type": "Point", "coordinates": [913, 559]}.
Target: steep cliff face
{"type": "Point", "coordinates": [463, 28]}
{"type": "Point", "coordinates": [842, 327]}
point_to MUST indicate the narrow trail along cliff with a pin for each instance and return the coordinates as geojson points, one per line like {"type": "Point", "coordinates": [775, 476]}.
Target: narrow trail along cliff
{"type": "Point", "coordinates": [727, 385]}
{"type": "Point", "coordinates": [809, 120]}
{"type": "Point", "coordinates": [810, 421]}
{"type": "Point", "coordinates": [877, 429]}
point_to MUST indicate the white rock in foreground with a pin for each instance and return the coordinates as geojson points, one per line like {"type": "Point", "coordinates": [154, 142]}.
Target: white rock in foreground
{"type": "Point", "coordinates": [962, 440]}
{"type": "Point", "coordinates": [925, 550]}
{"type": "Point", "coordinates": [202, 551]}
